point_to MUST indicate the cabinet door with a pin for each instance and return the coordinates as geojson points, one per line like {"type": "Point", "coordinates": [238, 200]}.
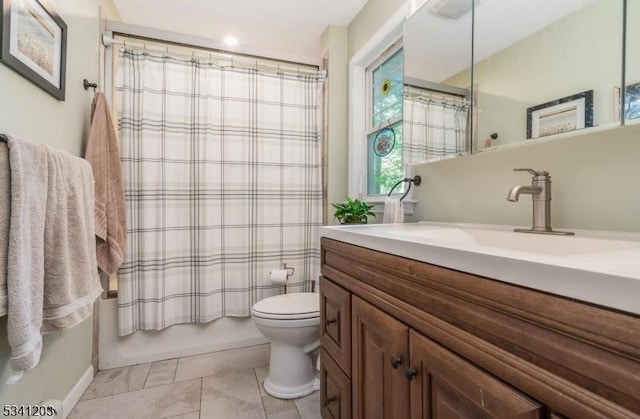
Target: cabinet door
{"type": "Point", "coordinates": [380, 351]}
{"type": "Point", "coordinates": [335, 323]}
{"type": "Point", "coordinates": [447, 386]}
{"type": "Point", "coordinates": [335, 389]}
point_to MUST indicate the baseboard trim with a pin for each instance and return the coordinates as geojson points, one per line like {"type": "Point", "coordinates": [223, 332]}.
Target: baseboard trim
{"type": "Point", "coordinates": [76, 392]}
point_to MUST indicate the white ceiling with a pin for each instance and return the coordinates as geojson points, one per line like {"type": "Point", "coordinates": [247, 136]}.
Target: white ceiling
{"type": "Point", "coordinates": [285, 29]}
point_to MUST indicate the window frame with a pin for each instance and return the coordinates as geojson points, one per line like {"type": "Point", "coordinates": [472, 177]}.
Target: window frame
{"type": "Point", "coordinates": [388, 34]}
{"type": "Point", "coordinates": [370, 127]}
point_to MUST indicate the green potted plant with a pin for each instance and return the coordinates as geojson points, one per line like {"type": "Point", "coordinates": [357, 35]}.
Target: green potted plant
{"type": "Point", "coordinates": [352, 211]}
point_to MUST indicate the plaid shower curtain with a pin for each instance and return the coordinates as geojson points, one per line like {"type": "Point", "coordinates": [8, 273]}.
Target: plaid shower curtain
{"type": "Point", "coordinates": [222, 173]}
{"type": "Point", "coordinates": [433, 129]}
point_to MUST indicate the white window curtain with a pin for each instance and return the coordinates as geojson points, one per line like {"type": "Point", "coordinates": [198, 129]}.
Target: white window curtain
{"type": "Point", "coordinates": [222, 173]}
{"type": "Point", "coordinates": [434, 129]}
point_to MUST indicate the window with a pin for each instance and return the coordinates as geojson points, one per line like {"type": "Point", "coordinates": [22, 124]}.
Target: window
{"type": "Point", "coordinates": [384, 123]}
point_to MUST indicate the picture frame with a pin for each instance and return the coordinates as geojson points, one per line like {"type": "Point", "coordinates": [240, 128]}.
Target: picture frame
{"type": "Point", "coordinates": [33, 43]}
{"type": "Point", "coordinates": [561, 115]}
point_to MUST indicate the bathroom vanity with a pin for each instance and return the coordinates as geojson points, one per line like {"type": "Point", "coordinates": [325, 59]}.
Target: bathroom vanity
{"type": "Point", "coordinates": [443, 320]}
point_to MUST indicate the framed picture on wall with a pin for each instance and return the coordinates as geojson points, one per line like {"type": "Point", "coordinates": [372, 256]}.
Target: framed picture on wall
{"type": "Point", "coordinates": [34, 43]}
{"type": "Point", "coordinates": [560, 115]}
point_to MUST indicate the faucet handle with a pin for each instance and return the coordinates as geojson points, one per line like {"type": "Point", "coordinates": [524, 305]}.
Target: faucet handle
{"type": "Point", "coordinates": [533, 172]}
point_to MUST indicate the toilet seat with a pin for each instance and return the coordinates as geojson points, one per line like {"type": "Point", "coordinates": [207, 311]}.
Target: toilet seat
{"type": "Point", "coordinates": [295, 306]}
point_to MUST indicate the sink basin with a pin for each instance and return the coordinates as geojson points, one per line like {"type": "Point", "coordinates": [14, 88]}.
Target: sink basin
{"type": "Point", "coordinates": [594, 266]}
{"type": "Point", "coordinates": [509, 240]}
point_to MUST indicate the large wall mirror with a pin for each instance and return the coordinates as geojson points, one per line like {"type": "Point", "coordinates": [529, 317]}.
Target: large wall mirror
{"type": "Point", "coordinates": [436, 112]}
{"type": "Point", "coordinates": [543, 68]}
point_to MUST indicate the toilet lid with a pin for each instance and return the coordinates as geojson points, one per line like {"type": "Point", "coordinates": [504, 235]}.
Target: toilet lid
{"type": "Point", "coordinates": [301, 305]}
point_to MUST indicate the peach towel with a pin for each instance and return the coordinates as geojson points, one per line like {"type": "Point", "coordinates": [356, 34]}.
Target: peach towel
{"type": "Point", "coordinates": [104, 155]}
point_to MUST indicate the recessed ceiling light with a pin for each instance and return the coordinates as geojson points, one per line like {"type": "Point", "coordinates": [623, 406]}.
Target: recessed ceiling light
{"type": "Point", "coordinates": [230, 40]}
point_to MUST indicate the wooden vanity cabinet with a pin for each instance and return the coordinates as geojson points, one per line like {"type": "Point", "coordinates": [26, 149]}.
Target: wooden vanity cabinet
{"type": "Point", "coordinates": [335, 324]}
{"type": "Point", "coordinates": [335, 354]}
{"type": "Point", "coordinates": [380, 355]}
{"type": "Point", "coordinates": [335, 389]}
{"type": "Point", "coordinates": [430, 342]}
{"type": "Point", "coordinates": [446, 386]}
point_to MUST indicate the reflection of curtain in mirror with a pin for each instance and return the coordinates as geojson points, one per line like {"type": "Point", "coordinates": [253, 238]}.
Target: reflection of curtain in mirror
{"type": "Point", "coordinates": [434, 126]}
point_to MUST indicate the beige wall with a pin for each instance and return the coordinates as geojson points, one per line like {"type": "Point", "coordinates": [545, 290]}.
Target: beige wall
{"type": "Point", "coordinates": [28, 112]}
{"type": "Point", "coordinates": [593, 183]}
{"type": "Point", "coordinates": [334, 47]}
{"type": "Point", "coordinates": [372, 16]}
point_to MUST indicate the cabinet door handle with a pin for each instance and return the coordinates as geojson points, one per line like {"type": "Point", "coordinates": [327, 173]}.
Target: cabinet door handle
{"type": "Point", "coordinates": [410, 373]}
{"type": "Point", "coordinates": [395, 362]}
{"type": "Point", "coordinates": [330, 321]}
{"type": "Point", "coordinates": [331, 400]}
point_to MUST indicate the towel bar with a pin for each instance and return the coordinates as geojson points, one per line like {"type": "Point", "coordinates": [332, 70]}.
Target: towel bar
{"type": "Point", "coordinates": [417, 180]}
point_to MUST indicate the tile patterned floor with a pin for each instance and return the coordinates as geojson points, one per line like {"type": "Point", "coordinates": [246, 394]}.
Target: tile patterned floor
{"type": "Point", "coordinates": [218, 385]}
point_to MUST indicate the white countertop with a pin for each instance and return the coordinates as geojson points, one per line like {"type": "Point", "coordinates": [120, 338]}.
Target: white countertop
{"type": "Point", "coordinates": [593, 266]}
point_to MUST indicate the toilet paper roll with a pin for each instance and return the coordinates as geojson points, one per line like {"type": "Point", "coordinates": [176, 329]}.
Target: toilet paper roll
{"type": "Point", "coordinates": [278, 276]}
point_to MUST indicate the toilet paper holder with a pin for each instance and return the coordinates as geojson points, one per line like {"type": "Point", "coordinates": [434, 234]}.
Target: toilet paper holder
{"type": "Point", "coordinates": [289, 270]}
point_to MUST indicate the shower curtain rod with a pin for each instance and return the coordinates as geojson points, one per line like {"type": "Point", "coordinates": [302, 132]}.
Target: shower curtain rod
{"type": "Point", "coordinates": [257, 64]}
{"type": "Point", "coordinates": [430, 95]}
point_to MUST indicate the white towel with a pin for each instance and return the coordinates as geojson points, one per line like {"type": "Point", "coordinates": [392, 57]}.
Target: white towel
{"type": "Point", "coordinates": [71, 281]}
{"type": "Point", "coordinates": [393, 211]}
{"type": "Point", "coordinates": [5, 190]}
{"type": "Point", "coordinates": [52, 275]}
{"type": "Point", "coordinates": [25, 261]}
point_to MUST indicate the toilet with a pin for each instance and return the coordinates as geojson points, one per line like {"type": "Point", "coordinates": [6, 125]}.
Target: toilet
{"type": "Point", "coordinates": [292, 323]}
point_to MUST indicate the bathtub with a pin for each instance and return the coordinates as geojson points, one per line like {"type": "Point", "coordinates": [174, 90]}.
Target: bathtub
{"type": "Point", "coordinates": [176, 341]}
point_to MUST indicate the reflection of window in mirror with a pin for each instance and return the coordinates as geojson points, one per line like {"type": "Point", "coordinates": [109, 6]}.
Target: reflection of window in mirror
{"type": "Point", "coordinates": [632, 74]}
{"type": "Point", "coordinates": [384, 122]}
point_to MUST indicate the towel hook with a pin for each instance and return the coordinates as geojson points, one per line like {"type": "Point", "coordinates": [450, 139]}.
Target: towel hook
{"type": "Point", "coordinates": [86, 84]}
{"type": "Point", "coordinates": [417, 180]}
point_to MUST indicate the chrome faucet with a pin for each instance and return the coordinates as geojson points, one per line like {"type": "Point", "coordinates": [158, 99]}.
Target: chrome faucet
{"type": "Point", "coordinates": [540, 191]}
